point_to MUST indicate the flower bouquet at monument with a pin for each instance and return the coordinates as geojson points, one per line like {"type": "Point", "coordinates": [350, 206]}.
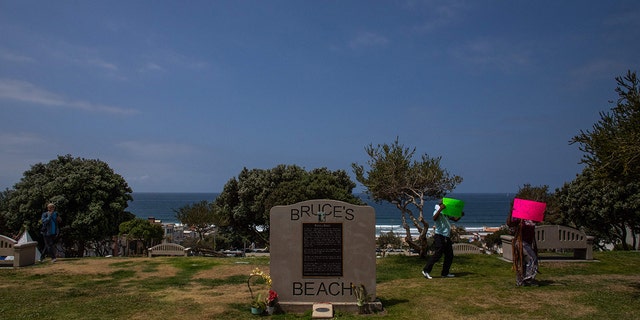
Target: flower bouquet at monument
{"type": "Point", "coordinates": [272, 301]}
{"type": "Point", "coordinates": [259, 303]}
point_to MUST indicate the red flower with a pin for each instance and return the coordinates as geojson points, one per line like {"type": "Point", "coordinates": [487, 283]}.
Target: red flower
{"type": "Point", "coordinates": [273, 297]}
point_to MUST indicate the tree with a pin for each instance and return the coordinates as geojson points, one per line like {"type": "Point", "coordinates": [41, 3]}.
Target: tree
{"type": "Point", "coordinates": [612, 147]}
{"type": "Point", "coordinates": [90, 197]}
{"type": "Point", "coordinates": [604, 198]}
{"type": "Point", "coordinates": [247, 200]}
{"type": "Point", "coordinates": [142, 230]}
{"type": "Point", "coordinates": [541, 194]}
{"type": "Point", "coordinates": [604, 208]}
{"type": "Point", "coordinates": [203, 216]}
{"type": "Point", "coordinates": [4, 203]}
{"type": "Point", "coordinates": [394, 176]}
{"type": "Point", "coordinates": [388, 239]}
{"type": "Point", "coordinates": [533, 193]}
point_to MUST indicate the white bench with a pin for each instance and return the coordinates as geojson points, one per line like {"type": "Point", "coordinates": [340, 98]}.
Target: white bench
{"type": "Point", "coordinates": [555, 237]}
{"type": "Point", "coordinates": [466, 248]}
{"type": "Point", "coordinates": [168, 249]}
{"type": "Point", "coordinates": [23, 254]}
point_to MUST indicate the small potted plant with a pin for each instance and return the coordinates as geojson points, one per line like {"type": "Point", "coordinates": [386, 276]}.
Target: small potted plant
{"type": "Point", "coordinates": [272, 300]}
{"type": "Point", "coordinates": [362, 298]}
{"type": "Point", "coordinates": [258, 305]}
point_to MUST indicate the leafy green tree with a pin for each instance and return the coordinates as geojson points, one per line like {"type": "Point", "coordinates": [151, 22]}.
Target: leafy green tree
{"type": "Point", "coordinates": [606, 209]}
{"type": "Point", "coordinates": [612, 148]}
{"type": "Point", "coordinates": [388, 239]}
{"type": "Point", "coordinates": [4, 207]}
{"type": "Point", "coordinates": [533, 193]}
{"type": "Point", "coordinates": [203, 217]}
{"type": "Point", "coordinates": [142, 230]}
{"type": "Point", "coordinates": [604, 198]}
{"type": "Point", "coordinates": [394, 176]}
{"type": "Point", "coordinates": [247, 200]}
{"type": "Point", "coordinates": [89, 196]}
{"type": "Point", "coordinates": [539, 194]}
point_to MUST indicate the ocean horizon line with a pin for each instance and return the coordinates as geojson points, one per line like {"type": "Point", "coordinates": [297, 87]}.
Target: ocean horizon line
{"type": "Point", "coordinates": [482, 209]}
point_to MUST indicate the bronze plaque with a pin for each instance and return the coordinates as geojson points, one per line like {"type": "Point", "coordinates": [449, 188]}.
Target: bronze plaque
{"type": "Point", "coordinates": [322, 249]}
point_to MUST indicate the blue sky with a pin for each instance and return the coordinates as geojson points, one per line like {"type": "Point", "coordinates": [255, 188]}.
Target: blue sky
{"type": "Point", "coordinates": [180, 96]}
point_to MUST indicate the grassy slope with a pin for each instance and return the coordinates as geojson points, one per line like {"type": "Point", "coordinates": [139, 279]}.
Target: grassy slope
{"type": "Point", "coordinates": [212, 288]}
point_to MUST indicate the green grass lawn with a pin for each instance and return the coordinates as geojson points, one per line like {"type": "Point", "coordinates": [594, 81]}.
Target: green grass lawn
{"type": "Point", "coordinates": [215, 288]}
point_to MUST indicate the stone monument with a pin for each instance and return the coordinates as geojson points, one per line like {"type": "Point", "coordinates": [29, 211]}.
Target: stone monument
{"type": "Point", "coordinates": [319, 250]}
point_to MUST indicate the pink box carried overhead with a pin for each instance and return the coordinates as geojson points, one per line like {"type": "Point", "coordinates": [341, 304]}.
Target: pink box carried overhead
{"type": "Point", "coordinates": [528, 210]}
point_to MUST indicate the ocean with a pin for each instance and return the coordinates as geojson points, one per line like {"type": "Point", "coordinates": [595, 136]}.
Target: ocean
{"type": "Point", "coordinates": [481, 209]}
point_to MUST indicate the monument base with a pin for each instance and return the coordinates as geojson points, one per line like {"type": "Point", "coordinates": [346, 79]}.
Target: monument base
{"type": "Point", "coordinates": [347, 307]}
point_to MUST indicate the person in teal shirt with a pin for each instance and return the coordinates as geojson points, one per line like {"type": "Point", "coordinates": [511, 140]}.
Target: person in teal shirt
{"type": "Point", "coordinates": [442, 243]}
{"type": "Point", "coordinates": [49, 231]}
